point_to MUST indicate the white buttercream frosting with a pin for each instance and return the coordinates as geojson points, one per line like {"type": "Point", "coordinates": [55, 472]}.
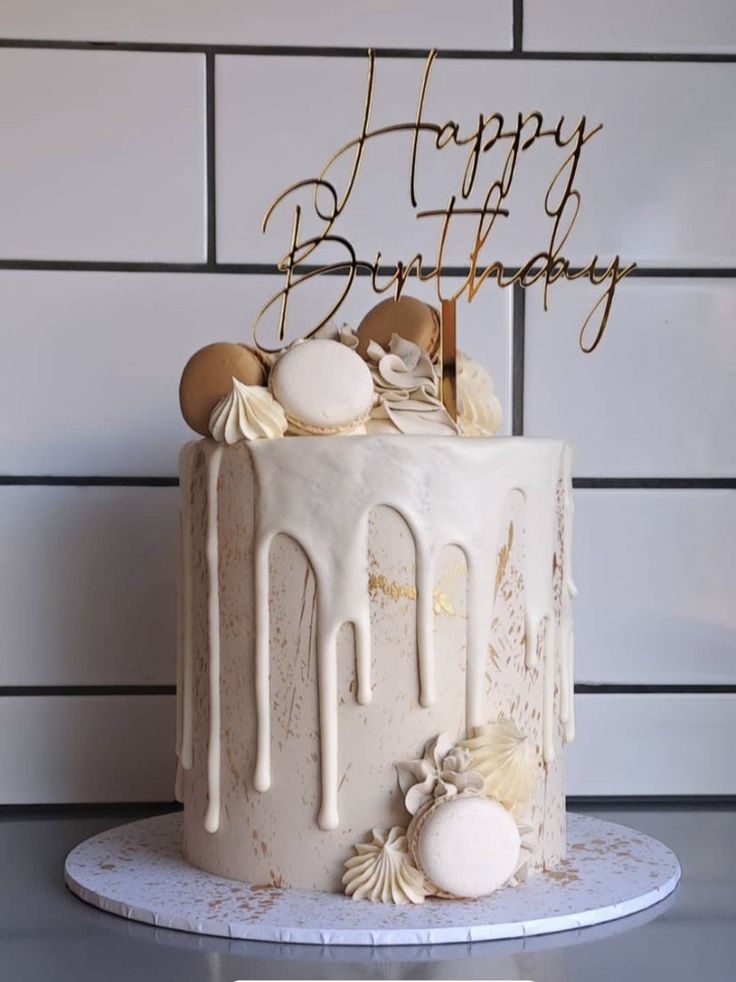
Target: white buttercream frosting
{"type": "Point", "coordinates": [382, 871]}
{"type": "Point", "coordinates": [247, 412]}
{"type": "Point", "coordinates": [445, 490]}
{"type": "Point", "coordinates": [443, 771]}
{"type": "Point", "coordinates": [479, 411]}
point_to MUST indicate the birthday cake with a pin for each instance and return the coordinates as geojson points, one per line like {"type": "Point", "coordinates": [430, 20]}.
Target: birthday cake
{"type": "Point", "coordinates": [375, 644]}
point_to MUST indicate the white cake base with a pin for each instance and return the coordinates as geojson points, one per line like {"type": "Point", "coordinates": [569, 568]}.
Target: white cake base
{"type": "Point", "coordinates": [137, 871]}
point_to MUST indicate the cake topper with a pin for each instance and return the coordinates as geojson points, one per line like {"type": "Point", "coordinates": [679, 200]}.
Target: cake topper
{"type": "Point", "coordinates": [517, 136]}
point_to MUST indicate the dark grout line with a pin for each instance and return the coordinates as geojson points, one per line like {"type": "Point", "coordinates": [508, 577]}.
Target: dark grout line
{"type": "Point", "coordinates": [581, 688]}
{"type": "Point", "coordinates": [271, 269]}
{"type": "Point", "coordinates": [518, 340]}
{"type": "Point", "coordinates": [517, 27]}
{"type": "Point", "coordinates": [653, 688]}
{"type": "Point", "coordinates": [652, 800]}
{"type": "Point", "coordinates": [83, 481]}
{"type": "Point", "coordinates": [659, 483]}
{"type": "Point", "coordinates": [87, 690]}
{"type": "Point", "coordinates": [135, 809]}
{"type": "Point", "coordinates": [211, 178]}
{"type": "Point", "coordinates": [582, 483]}
{"type": "Point", "coordinates": [120, 809]}
{"type": "Point", "coordinates": [355, 51]}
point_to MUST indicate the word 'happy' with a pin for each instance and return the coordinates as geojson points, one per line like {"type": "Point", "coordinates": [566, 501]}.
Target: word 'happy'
{"type": "Point", "coordinates": [561, 205]}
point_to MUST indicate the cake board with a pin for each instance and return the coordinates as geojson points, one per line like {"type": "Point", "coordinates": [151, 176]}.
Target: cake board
{"type": "Point", "coordinates": [137, 871]}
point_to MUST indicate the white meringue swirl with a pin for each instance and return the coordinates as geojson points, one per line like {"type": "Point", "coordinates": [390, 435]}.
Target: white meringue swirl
{"type": "Point", "coordinates": [248, 412]}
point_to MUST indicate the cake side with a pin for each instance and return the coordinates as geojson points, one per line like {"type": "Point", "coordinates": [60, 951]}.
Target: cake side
{"type": "Point", "coordinates": [450, 619]}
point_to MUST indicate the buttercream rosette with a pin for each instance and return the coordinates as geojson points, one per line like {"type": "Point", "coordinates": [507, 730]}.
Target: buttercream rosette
{"type": "Point", "coordinates": [382, 871]}
{"type": "Point", "coordinates": [247, 412]}
{"type": "Point", "coordinates": [443, 771]}
{"type": "Point", "coordinates": [479, 410]}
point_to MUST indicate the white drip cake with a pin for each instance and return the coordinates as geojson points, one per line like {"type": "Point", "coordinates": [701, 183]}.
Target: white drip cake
{"type": "Point", "coordinates": [375, 667]}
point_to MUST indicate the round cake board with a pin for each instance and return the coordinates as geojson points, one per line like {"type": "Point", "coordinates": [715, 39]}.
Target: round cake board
{"type": "Point", "coordinates": [138, 871]}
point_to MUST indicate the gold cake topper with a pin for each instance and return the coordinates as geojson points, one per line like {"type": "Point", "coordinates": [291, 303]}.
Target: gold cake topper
{"type": "Point", "coordinates": [561, 204]}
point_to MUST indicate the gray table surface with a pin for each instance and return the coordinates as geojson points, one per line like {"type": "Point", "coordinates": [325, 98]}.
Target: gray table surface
{"type": "Point", "coordinates": [47, 934]}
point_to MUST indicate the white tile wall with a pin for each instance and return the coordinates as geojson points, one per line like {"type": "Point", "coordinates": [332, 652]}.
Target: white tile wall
{"type": "Point", "coordinates": [653, 745]}
{"type": "Point", "coordinates": [657, 578]}
{"type": "Point", "coordinates": [103, 156]}
{"type": "Point", "coordinates": [470, 24]}
{"type": "Point", "coordinates": [651, 113]}
{"type": "Point", "coordinates": [656, 397]}
{"type": "Point", "coordinates": [630, 25]}
{"type": "Point", "coordinates": [104, 160]}
{"type": "Point", "coordinates": [86, 748]}
{"type": "Point", "coordinates": [120, 748]}
{"type": "Point", "coordinates": [88, 585]}
{"type": "Point", "coordinates": [120, 340]}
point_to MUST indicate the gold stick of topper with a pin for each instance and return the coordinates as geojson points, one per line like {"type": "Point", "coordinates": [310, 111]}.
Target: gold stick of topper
{"type": "Point", "coordinates": [448, 357]}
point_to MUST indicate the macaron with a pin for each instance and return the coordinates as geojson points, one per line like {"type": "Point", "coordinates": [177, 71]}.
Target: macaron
{"type": "Point", "coordinates": [324, 387]}
{"type": "Point", "coordinates": [467, 846]}
{"type": "Point", "coordinates": [208, 376]}
{"type": "Point", "coordinates": [408, 317]}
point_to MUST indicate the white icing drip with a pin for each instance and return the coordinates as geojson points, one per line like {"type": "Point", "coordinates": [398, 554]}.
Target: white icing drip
{"type": "Point", "coordinates": [531, 638]}
{"type": "Point", "coordinates": [327, 669]}
{"type": "Point", "coordinates": [569, 590]}
{"type": "Point", "coordinates": [363, 660]}
{"type": "Point", "coordinates": [445, 490]}
{"type": "Point", "coordinates": [548, 696]}
{"type": "Point", "coordinates": [213, 458]}
{"type": "Point", "coordinates": [262, 775]}
{"type": "Point", "coordinates": [185, 656]}
{"type": "Point", "coordinates": [478, 593]}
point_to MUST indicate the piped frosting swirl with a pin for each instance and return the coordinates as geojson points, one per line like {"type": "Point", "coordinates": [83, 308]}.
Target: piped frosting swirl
{"type": "Point", "coordinates": [248, 412]}
{"type": "Point", "coordinates": [382, 871]}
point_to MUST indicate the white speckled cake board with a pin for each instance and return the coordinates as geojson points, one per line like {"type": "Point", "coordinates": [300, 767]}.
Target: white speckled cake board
{"type": "Point", "coordinates": [137, 871]}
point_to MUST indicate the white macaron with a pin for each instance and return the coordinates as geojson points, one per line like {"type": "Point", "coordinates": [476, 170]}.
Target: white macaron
{"type": "Point", "coordinates": [324, 387]}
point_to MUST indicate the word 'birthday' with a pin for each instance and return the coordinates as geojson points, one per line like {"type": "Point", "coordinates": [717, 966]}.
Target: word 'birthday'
{"type": "Point", "coordinates": [561, 205]}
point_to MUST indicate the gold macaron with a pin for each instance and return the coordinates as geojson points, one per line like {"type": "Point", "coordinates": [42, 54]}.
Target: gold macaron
{"type": "Point", "coordinates": [408, 317]}
{"type": "Point", "coordinates": [208, 376]}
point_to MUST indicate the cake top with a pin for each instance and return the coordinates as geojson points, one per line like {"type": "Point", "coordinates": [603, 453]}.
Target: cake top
{"type": "Point", "coordinates": [382, 378]}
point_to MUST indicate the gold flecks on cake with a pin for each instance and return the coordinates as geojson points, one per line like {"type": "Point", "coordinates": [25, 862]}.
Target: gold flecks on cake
{"type": "Point", "coordinates": [441, 603]}
{"type": "Point", "coordinates": [378, 583]}
{"type": "Point", "coordinates": [503, 558]}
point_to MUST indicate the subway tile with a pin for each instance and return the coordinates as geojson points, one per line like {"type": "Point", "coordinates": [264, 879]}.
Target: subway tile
{"type": "Point", "coordinates": [708, 26]}
{"type": "Point", "coordinates": [70, 749]}
{"type": "Point", "coordinates": [104, 156]}
{"type": "Point", "coordinates": [107, 350]}
{"type": "Point", "coordinates": [656, 397]}
{"type": "Point", "coordinates": [88, 585]}
{"type": "Point", "coordinates": [656, 577]}
{"type": "Point", "coordinates": [120, 748]}
{"type": "Point", "coordinates": [651, 113]}
{"type": "Point", "coordinates": [474, 24]}
{"type": "Point", "coordinates": [672, 744]}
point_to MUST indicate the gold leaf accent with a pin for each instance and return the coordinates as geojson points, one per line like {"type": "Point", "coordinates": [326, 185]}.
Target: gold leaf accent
{"type": "Point", "coordinates": [503, 559]}
{"type": "Point", "coordinates": [378, 583]}
{"type": "Point", "coordinates": [441, 603]}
